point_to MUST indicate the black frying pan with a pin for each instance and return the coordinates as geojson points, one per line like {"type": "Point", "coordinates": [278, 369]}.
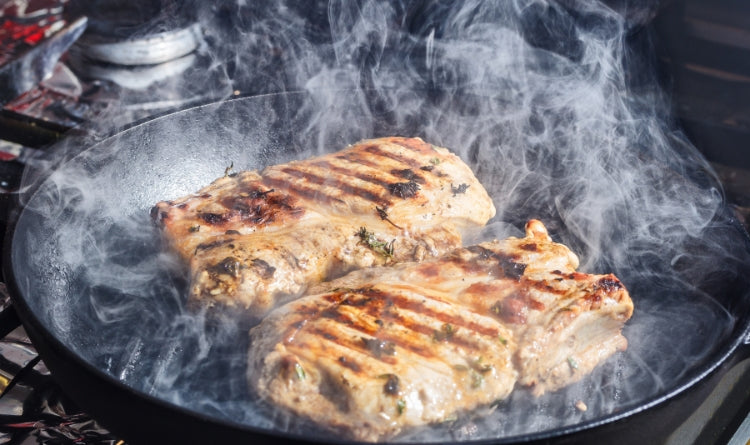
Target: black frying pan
{"type": "Point", "coordinates": [105, 305]}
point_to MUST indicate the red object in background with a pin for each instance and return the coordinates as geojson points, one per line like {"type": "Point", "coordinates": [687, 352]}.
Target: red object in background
{"type": "Point", "coordinates": [26, 24]}
{"type": "Point", "coordinates": [17, 37]}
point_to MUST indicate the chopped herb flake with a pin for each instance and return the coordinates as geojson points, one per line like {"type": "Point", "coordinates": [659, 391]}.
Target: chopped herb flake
{"type": "Point", "coordinates": [573, 363]}
{"type": "Point", "coordinates": [481, 367]}
{"type": "Point", "coordinates": [446, 332]}
{"type": "Point", "coordinates": [400, 406]}
{"type": "Point", "coordinates": [370, 240]}
{"type": "Point", "coordinates": [194, 229]}
{"type": "Point", "coordinates": [476, 380]}
{"type": "Point", "coordinates": [299, 371]}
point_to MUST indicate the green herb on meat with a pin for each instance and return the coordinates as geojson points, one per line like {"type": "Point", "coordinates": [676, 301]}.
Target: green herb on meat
{"type": "Point", "coordinates": [446, 332]}
{"type": "Point", "coordinates": [400, 406]}
{"type": "Point", "coordinates": [476, 379]}
{"type": "Point", "coordinates": [371, 241]}
{"type": "Point", "coordinates": [299, 371]}
{"type": "Point", "coordinates": [573, 363]}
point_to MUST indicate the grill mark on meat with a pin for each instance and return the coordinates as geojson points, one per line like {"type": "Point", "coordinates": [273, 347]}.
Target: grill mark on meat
{"type": "Point", "coordinates": [409, 175]}
{"type": "Point", "coordinates": [515, 307]}
{"type": "Point", "coordinates": [401, 301]}
{"type": "Point", "coordinates": [356, 344]}
{"type": "Point", "coordinates": [302, 192]}
{"type": "Point", "coordinates": [510, 310]}
{"type": "Point", "coordinates": [260, 207]}
{"type": "Point", "coordinates": [214, 219]}
{"type": "Point", "coordinates": [382, 306]}
{"type": "Point", "coordinates": [576, 276]}
{"type": "Point", "coordinates": [392, 300]}
{"type": "Point", "coordinates": [414, 144]}
{"type": "Point", "coordinates": [357, 158]}
{"type": "Point", "coordinates": [502, 266]}
{"type": "Point", "coordinates": [431, 270]}
{"type": "Point", "coordinates": [546, 287]}
{"type": "Point", "coordinates": [408, 343]}
{"type": "Point", "coordinates": [370, 177]}
{"type": "Point", "coordinates": [338, 183]}
{"type": "Point", "coordinates": [487, 289]}
{"type": "Point", "coordinates": [379, 150]}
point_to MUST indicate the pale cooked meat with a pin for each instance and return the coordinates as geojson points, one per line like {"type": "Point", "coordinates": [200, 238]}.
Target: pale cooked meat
{"type": "Point", "coordinates": [565, 322]}
{"type": "Point", "coordinates": [255, 238]}
{"type": "Point", "coordinates": [457, 332]}
{"type": "Point", "coordinates": [372, 360]}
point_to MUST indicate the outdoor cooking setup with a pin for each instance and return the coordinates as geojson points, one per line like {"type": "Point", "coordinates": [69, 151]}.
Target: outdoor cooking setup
{"type": "Point", "coordinates": [110, 107]}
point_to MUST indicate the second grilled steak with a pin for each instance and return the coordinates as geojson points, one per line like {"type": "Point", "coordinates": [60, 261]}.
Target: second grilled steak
{"type": "Point", "coordinates": [381, 349]}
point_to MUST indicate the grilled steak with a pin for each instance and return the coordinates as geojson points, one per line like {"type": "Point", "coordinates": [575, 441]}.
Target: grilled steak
{"type": "Point", "coordinates": [255, 238]}
{"type": "Point", "coordinates": [381, 349]}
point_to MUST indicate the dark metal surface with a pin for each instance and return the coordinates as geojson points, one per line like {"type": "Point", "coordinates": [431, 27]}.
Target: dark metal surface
{"type": "Point", "coordinates": [269, 123]}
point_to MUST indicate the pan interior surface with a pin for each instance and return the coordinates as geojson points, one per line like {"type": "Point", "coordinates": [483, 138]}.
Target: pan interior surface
{"type": "Point", "coordinates": [90, 266]}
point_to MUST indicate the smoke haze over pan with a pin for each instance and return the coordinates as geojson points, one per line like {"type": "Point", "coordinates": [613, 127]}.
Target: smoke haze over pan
{"type": "Point", "coordinates": [548, 103]}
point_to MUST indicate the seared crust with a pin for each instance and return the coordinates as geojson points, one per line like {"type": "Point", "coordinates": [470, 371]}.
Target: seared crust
{"type": "Point", "coordinates": [373, 360]}
{"type": "Point", "coordinates": [253, 239]}
{"type": "Point", "coordinates": [517, 305]}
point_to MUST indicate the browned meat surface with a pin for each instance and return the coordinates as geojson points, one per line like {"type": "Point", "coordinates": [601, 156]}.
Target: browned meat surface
{"type": "Point", "coordinates": [381, 349]}
{"type": "Point", "coordinates": [371, 360]}
{"type": "Point", "coordinates": [255, 238]}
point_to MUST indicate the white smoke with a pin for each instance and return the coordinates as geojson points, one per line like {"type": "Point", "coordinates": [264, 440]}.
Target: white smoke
{"type": "Point", "coordinates": [539, 97]}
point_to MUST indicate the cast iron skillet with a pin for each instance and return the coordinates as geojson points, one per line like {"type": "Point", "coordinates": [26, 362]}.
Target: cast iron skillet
{"type": "Point", "coordinates": [105, 306]}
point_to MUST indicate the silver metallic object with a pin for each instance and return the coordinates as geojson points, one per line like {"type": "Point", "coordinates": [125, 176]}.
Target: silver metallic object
{"type": "Point", "coordinates": [148, 50]}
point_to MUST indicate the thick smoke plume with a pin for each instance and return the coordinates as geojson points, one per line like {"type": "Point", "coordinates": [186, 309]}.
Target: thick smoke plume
{"type": "Point", "coordinates": [561, 119]}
